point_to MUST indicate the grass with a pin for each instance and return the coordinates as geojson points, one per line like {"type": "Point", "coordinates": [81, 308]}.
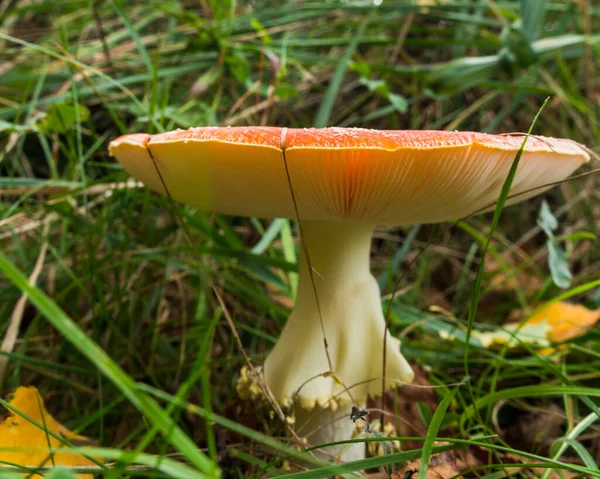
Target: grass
{"type": "Point", "coordinates": [121, 332]}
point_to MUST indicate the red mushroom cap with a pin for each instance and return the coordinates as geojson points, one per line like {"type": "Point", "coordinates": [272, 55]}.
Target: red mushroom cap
{"type": "Point", "coordinates": [383, 177]}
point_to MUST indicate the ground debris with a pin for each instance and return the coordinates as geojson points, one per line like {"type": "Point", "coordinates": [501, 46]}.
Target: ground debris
{"type": "Point", "coordinates": [535, 431]}
{"type": "Point", "coordinates": [444, 465]}
{"type": "Point", "coordinates": [402, 410]}
{"type": "Point", "coordinates": [29, 433]}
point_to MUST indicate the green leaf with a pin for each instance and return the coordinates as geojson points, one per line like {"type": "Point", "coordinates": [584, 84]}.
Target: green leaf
{"type": "Point", "coordinates": [269, 236]}
{"type": "Point", "coordinates": [517, 50]}
{"type": "Point", "coordinates": [238, 66]}
{"type": "Point", "coordinates": [557, 258]}
{"type": "Point", "coordinates": [398, 102]}
{"type": "Point", "coordinates": [285, 90]}
{"type": "Point", "coordinates": [376, 86]}
{"type": "Point", "coordinates": [381, 88]}
{"type": "Point", "coordinates": [577, 236]}
{"type": "Point", "coordinates": [259, 28]}
{"type": "Point", "coordinates": [532, 17]}
{"type": "Point", "coordinates": [133, 33]}
{"type": "Point", "coordinates": [386, 276]}
{"type": "Point", "coordinates": [595, 297]}
{"type": "Point", "coordinates": [546, 220]}
{"type": "Point", "coordinates": [60, 473]}
{"type": "Point", "coordinates": [362, 68]}
{"type": "Point", "coordinates": [559, 265]}
{"type": "Point", "coordinates": [61, 117]}
{"type": "Point", "coordinates": [169, 467]}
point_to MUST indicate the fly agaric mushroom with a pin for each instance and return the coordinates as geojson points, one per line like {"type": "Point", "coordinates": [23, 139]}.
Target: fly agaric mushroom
{"type": "Point", "coordinates": [339, 183]}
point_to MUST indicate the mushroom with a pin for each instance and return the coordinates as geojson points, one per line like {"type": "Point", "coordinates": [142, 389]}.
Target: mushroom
{"type": "Point", "coordinates": [339, 183]}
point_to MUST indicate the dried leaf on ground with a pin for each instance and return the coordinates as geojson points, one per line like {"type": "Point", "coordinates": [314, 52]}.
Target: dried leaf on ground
{"type": "Point", "coordinates": [456, 462]}
{"type": "Point", "coordinates": [535, 431]}
{"type": "Point", "coordinates": [558, 322]}
{"type": "Point", "coordinates": [435, 297]}
{"type": "Point", "coordinates": [444, 465]}
{"type": "Point", "coordinates": [18, 434]}
{"type": "Point", "coordinates": [276, 295]}
{"type": "Point", "coordinates": [505, 275]}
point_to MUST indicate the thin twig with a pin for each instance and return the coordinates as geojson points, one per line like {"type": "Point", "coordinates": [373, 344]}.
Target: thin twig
{"type": "Point", "coordinates": [254, 373]}
{"type": "Point", "coordinates": [98, 22]}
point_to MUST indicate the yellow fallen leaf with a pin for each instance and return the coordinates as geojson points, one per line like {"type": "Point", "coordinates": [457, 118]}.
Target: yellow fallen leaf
{"type": "Point", "coordinates": [566, 320]}
{"type": "Point", "coordinates": [17, 433]}
{"type": "Point", "coordinates": [557, 322]}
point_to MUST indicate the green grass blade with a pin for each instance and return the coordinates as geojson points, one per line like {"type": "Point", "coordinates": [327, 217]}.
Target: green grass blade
{"type": "Point", "coordinates": [118, 7]}
{"type": "Point", "coordinates": [170, 467]}
{"type": "Point", "coordinates": [567, 441]}
{"type": "Point", "coordinates": [432, 432]}
{"type": "Point", "coordinates": [363, 464]}
{"type": "Point", "coordinates": [324, 112]}
{"type": "Point", "coordinates": [530, 391]}
{"type": "Point", "coordinates": [269, 236]}
{"type": "Point", "coordinates": [497, 213]}
{"type": "Point", "coordinates": [144, 403]}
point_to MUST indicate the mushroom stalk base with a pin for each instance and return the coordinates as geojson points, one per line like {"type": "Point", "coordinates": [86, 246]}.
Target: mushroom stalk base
{"type": "Point", "coordinates": [348, 315]}
{"type": "Point", "coordinates": [322, 426]}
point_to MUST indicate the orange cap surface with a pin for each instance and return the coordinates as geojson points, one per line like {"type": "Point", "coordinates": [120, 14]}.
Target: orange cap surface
{"type": "Point", "coordinates": [383, 177]}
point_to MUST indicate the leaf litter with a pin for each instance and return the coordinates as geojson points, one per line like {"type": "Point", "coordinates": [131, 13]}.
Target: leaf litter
{"type": "Point", "coordinates": [22, 442]}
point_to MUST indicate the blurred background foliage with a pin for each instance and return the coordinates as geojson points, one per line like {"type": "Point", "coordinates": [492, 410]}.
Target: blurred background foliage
{"type": "Point", "coordinates": [75, 74]}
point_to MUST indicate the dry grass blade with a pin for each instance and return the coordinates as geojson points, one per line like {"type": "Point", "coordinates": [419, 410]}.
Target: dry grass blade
{"type": "Point", "coordinates": [12, 332]}
{"type": "Point", "coordinates": [255, 374]}
{"type": "Point", "coordinates": [93, 190]}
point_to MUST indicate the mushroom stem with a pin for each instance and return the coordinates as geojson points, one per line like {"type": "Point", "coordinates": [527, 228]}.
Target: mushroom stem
{"type": "Point", "coordinates": [321, 376]}
{"type": "Point", "coordinates": [323, 426]}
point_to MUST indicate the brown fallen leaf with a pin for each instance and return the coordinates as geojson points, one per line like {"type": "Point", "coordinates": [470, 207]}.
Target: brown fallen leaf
{"type": "Point", "coordinates": [509, 277]}
{"type": "Point", "coordinates": [561, 474]}
{"type": "Point", "coordinates": [444, 465]}
{"type": "Point", "coordinates": [276, 295]}
{"type": "Point", "coordinates": [435, 297]}
{"type": "Point", "coordinates": [535, 431]}
{"type": "Point", "coordinates": [456, 462]}
{"type": "Point", "coordinates": [24, 443]}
